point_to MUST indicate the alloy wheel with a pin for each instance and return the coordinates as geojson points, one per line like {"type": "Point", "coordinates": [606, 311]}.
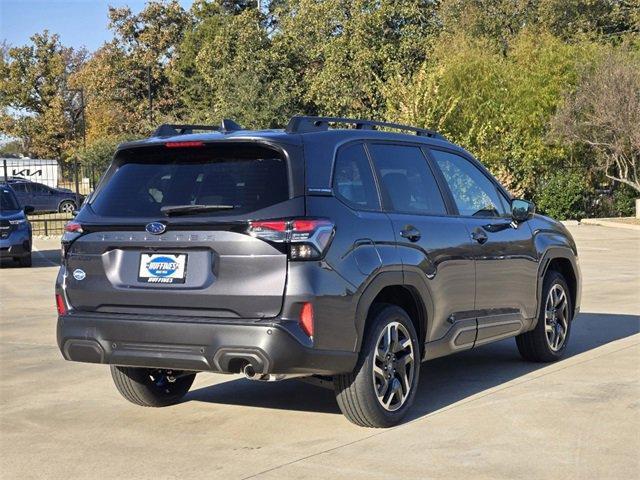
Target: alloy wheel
{"type": "Point", "coordinates": [556, 317]}
{"type": "Point", "coordinates": [67, 207]}
{"type": "Point", "coordinates": [393, 366]}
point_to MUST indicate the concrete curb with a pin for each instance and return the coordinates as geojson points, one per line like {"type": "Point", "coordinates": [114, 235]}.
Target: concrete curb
{"type": "Point", "coordinates": [608, 222]}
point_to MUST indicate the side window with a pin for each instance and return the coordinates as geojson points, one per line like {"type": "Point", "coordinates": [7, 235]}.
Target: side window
{"type": "Point", "coordinates": [41, 189]}
{"type": "Point", "coordinates": [353, 180]}
{"type": "Point", "coordinates": [19, 187]}
{"type": "Point", "coordinates": [475, 195]}
{"type": "Point", "coordinates": [407, 181]}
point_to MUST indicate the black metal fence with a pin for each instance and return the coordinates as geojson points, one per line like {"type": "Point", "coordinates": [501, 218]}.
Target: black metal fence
{"type": "Point", "coordinates": [54, 189]}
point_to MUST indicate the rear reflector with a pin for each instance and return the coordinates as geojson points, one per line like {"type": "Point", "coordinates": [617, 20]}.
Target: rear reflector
{"type": "Point", "coordinates": [184, 144]}
{"type": "Point", "coordinates": [62, 307]}
{"type": "Point", "coordinates": [306, 319]}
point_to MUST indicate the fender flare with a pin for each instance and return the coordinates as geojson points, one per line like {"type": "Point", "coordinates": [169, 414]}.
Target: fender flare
{"type": "Point", "coordinates": [411, 279]}
{"type": "Point", "coordinates": [550, 254]}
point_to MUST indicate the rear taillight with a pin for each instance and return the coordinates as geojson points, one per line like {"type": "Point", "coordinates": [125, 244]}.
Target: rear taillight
{"type": "Point", "coordinates": [72, 230]}
{"type": "Point", "coordinates": [306, 319]}
{"type": "Point", "coordinates": [306, 238]}
{"type": "Point", "coordinates": [73, 227]}
{"type": "Point", "coordinates": [61, 305]}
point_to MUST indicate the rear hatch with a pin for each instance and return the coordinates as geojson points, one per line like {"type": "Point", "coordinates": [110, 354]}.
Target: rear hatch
{"type": "Point", "coordinates": [165, 233]}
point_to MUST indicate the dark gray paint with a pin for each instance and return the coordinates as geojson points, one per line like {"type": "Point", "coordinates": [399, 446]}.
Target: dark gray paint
{"type": "Point", "coordinates": [467, 293]}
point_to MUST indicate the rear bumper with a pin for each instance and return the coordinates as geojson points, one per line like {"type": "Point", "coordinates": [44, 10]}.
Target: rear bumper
{"type": "Point", "coordinates": [18, 244]}
{"type": "Point", "coordinates": [211, 345]}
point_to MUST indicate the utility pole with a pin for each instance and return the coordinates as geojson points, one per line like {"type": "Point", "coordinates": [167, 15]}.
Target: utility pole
{"type": "Point", "coordinates": [82, 112]}
{"type": "Point", "coordinates": [84, 120]}
{"type": "Point", "coordinates": [149, 95]}
{"type": "Point", "coordinates": [76, 166]}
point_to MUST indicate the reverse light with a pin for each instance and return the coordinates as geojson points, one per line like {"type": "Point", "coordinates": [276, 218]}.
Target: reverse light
{"type": "Point", "coordinates": [191, 144]}
{"type": "Point", "coordinates": [61, 305]}
{"type": "Point", "coordinates": [306, 319]}
{"type": "Point", "coordinates": [307, 238]}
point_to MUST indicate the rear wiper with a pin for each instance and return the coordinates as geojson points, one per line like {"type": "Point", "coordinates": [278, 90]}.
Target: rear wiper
{"type": "Point", "coordinates": [184, 209]}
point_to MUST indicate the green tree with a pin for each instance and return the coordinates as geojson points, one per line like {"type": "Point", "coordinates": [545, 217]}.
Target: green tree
{"type": "Point", "coordinates": [497, 107]}
{"type": "Point", "coordinates": [369, 46]}
{"type": "Point", "coordinates": [605, 18]}
{"type": "Point", "coordinates": [36, 105]}
{"type": "Point", "coordinates": [222, 68]}
{"type": "Point", "coordinates": [115, 79]}
{"type": "Point", "coordinates": [497, 21]}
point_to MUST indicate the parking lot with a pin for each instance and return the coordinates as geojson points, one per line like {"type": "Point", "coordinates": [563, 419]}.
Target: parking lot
{"type": "Point", "coordinates": [483, 413]}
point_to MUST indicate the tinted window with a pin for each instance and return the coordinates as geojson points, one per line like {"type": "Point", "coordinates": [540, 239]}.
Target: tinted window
{"type": "Point", "coordinates": [8, 200]}
{"type": "Point", "coordinates": [407, 181]}
{"type": "Point", "coordinates": [39, 188]}
{"type": "Point", "coordinates": [247, 178]}
{"type": "Point", "coordinates": [19, 187]}
{"type": "Point", "coordinates": [475, 195]}
{"type": "Point", "coordinates": [353, 179]}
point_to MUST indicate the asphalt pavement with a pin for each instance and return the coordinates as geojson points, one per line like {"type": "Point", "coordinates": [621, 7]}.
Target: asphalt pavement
{"type": "Point", "coordinates": [479, 414]}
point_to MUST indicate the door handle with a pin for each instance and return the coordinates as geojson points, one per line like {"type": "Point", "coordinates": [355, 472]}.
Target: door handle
{"type": "Point", "coordinates": [411, 233]}
{"type": "Point", "coordinates": [479, 236]}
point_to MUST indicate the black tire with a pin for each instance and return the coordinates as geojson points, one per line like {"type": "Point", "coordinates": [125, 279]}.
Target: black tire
{"type": "Point", "coordinates": [534, 345]}
{"type": "Point", "coordinates": [67, 206]}
{"type": "Point", "coordinates": [356, 391]}
{"type": "Point", "coordinates": [149, 387]}
{"type": "Point", "coordinates": [25, 261]}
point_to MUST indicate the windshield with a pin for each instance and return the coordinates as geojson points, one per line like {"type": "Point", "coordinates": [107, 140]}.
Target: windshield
{"type": "Point", "coordinates": [228, 179]}
{"type": "Point", "coordinates": [8, 200]}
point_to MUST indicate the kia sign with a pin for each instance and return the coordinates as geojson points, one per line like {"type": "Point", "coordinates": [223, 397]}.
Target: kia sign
{"type": "Point", "coordinates": [36, 170]}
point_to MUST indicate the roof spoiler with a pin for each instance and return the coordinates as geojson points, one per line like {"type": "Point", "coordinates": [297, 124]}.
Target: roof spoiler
{"type": "Point", "coordinates": [170, 130]}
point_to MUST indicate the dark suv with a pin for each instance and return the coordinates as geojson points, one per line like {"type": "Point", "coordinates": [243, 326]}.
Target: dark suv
{"type": "Point", "coordinates": [344, 255]}
{"type": "Point", "coordinates": [44, 198]}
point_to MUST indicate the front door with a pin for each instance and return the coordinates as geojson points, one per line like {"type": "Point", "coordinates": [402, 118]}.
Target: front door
{"type": "Point", "coordinates": [434, 246]}
{"type": "Point", "coordinates": [506, 260]}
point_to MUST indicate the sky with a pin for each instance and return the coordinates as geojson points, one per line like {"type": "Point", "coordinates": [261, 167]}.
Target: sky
{"type": "Point", "coordinates": [78, 22]}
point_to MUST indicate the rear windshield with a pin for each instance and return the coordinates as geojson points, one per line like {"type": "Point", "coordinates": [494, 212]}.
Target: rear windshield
{"type": "Point", "coordinates": [246, 178]}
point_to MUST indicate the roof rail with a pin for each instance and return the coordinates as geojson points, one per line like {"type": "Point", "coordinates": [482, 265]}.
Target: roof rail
{"type": "Point", "coordinates": [306, 124]}
{"type": "Point", "coordinates": [169, 130]}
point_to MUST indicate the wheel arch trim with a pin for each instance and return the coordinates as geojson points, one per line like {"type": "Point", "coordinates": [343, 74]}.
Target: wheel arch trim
{"type": "Point", "coordinates": [410, 280]}
{"type": "Point", "coordinates": [550, 254]}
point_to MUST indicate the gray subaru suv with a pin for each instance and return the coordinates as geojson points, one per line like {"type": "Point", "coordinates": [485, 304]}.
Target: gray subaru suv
{"type": "Point", "coordinates": [340, 251]}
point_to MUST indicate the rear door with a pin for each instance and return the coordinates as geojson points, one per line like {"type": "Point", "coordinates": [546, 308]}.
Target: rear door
{"type": "Point", "coordinates": [431, 243]}
{"type": "Point", "coordinates": [41, 197]}
{"type": "Point", "coordinates": [506, 258]}
{"type": "Point", "coordinates": [133, 258]}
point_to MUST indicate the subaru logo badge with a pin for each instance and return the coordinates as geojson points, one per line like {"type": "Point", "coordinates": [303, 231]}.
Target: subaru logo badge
{"type": "Point", "coordinates": [156, 228]}
{"type": "Point", "coordinates": [79, 274]}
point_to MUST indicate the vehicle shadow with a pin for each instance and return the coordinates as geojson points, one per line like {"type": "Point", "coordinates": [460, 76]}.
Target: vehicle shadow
{"type": "Point", "coordinates": [443, 381]}
{"type": "Point", "coordinates": [40, 259]}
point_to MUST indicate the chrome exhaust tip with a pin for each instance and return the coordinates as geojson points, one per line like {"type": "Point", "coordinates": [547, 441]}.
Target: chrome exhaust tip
{"type": "Point", "coordinates": [251, 374]}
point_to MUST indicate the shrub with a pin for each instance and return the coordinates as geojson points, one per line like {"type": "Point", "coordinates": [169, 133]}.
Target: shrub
{"type": "Point", "coordinates": [563, 195]}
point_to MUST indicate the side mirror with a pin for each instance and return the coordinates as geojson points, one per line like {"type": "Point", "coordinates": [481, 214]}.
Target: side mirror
{"type": "Point", "coordinates": [28, 209]}
{"type": "Point", "coordinates": [522, 210]}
